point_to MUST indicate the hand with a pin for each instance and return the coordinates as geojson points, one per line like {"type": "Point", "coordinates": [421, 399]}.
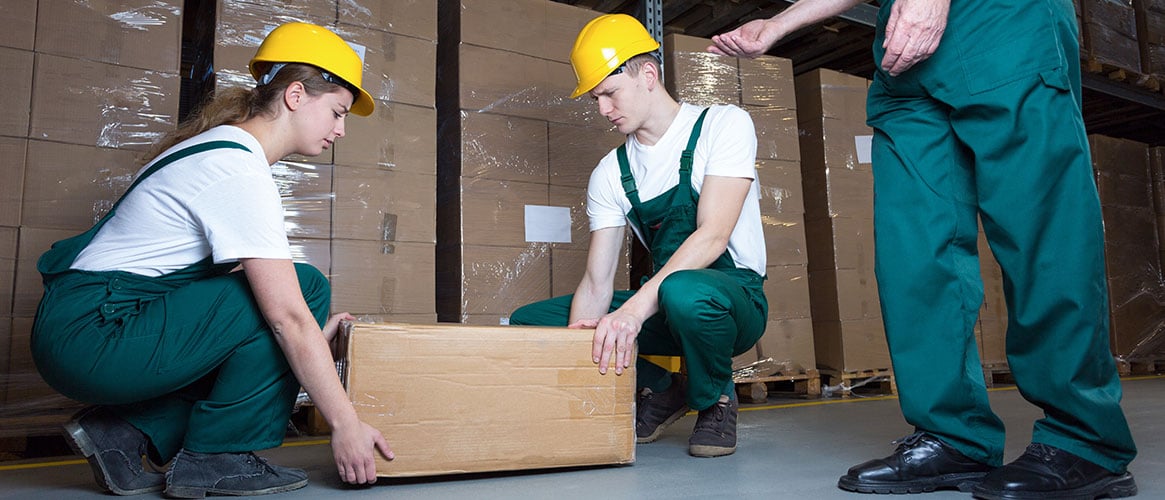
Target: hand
{"type": "Point", "coordinates": [584, 323]}
{"type": "Point", "coordinates": [615, 335]}
{"type": "Point", "coordinates": [354, 448]}
{"type": "Point", "coordinates": [913, 32]}
{"type": "Point", "coordinates": [751, 39]}
{"type": "Point", "coordinates": [333, 325]}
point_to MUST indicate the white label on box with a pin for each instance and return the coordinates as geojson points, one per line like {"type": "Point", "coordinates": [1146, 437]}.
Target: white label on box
{"type": "Point", "coordinates": [547, 224]}
{"type": "Point", "coordinates": [863, 143]}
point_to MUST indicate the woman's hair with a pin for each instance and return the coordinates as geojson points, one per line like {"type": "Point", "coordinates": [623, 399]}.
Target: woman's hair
{"type": "Point", "coordinates": [236, 104]}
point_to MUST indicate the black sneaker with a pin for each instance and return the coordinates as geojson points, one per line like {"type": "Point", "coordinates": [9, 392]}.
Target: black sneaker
{"type": "Point", "coordinates": [715, 432]}
{"type": "Point", "coordinates": [921, 463]}
{"type": "Point", "coordinates": [114, 449]}
{"type": "Point", "coordinates": [195, 475]}
{"type": "Point", "coordinates": [1046, 472]}
{"type": "Point", "coordinates": [654, 412]}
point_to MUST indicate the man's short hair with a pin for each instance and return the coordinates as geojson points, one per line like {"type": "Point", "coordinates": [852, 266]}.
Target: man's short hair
{"type": "Point", "coordinates": [635, 62]}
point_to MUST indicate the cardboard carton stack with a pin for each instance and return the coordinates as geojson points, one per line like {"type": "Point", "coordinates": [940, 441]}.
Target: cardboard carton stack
{"type": "Point", "coordinates": [511, 198]}
{"type": "Point", "coordinates": [764, 88]}
{"type": "Point", "coordinates": [375, 237]}
{"type": "Point", "coordinates": [1150, 16]}
{"type": "Point", "coordinates": [991, 327]}
{"type": "Point", "coordinates": [838, 184]}
{"type": "Point", "coordinates": [89, 87]}
{"type": "Point", "coordinates": [1108, 31]}
{"type": "Point", "coordinates": [1132, 251]}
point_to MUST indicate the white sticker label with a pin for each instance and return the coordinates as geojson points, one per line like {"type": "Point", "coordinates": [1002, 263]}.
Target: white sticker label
{"type": "Point", "coordinates": [547, 224]}
{"type": "Point", "coordinates": [863, 143]}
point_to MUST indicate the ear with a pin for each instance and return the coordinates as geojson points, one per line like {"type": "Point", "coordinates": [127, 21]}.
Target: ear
{"type": "Point", "coordinates": [650, 72]}
{"type": "Point", "coordinates": [293, 95]}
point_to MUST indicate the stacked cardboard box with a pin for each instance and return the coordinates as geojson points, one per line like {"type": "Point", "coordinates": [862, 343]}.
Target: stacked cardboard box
{"type": "Point", "coordinates": [1108, 31]}
{"type": "Point", "coordinates": [375, 237]}
{"type": "Point", "coordinates": [764, 88]}
{"type": "Point", "coordinates": [838, 184]}
{"type": "Point", "coordinates": [1132, 251]}
{"type": "Point", "coordinates": [512, 178]}
{"type": "Point", "coordinates": [1151, 35]}
{"type": "Point", "coordinates": [991, 327]}
{"type": "Point", "coordinates": [91, 85]}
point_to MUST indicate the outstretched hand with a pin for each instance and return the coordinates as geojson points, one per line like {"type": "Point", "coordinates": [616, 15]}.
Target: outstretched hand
{"type": "Point", "coordinates": [751, 39]}
{"type": "Point", "coordinates": [354, 452]}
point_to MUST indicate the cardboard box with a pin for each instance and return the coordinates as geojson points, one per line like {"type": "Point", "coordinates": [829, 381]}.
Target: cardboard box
{"type": "Point", "coordinates": [851, 346]}
{"type": "Point", "coordinates": [493, 212]}
{"type": "Point", "coordinates": [457, 399]}
{"type": "Point", "coordinates": [381, 277]}
{"type": "Point", "coordinates": [777, 135]}
{"type": "Point", "coordinates": [98, 104]}
{"type": "Point", "coordinates": [506, 148]}
{"type": "Point", "coordinates": [317, 252]}
{"type": "Point", "coordinates": [788, 342]}
{"type": "Point", "coordinates": [145, 35]}
{"type": "Point", "coordinates": [696, 76]}
{"type": "Point", "coordinates": [7, 271]}
{"type": "Point", "coordinates": [16, 100]}
{"type": "Point", "coordinates": [71, 186]}
{"type": "Point", "coordinates": [1109, 32]}
{"type": "Point", "coordinates": [537, 28]}
{"type": "Point", "coordinates": [396, 68]}
{"type": "Point", "coordinates": [382, 205]}
{"type": "Point", "coordinates": [415, 18]}
{"type": "Point", "coordinates": [782, 199]}
{"type": "Point", "coordinates": [19, 20]}
{"type": "Point", "coordinates": [396, 137]}
{"type": "Point", "coordinates": [515, 84]}
{"type": "Point", "coordinates": [580, 226]}
{"type": "Point", "coordinates": [29, 286]}
{"type": "Point", "coordinates": [12, 155]}
{"type": "Point", "coordinates": [575, 151]}
{"type": "Point", "coordinates": [306, 189]}
{"type": "Point", "coordinates": [767, 81]}
{"type": "Point", "coordinates": [497, 280]}
{"type": "Point", "coordinates": [787, 291]}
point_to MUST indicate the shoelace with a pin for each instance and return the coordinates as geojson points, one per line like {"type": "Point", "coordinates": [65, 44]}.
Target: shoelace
{"type": "Point", "coordinates": [908, 442]}
{"type": "Point", "coordinates": [720, 412]}
{"type": "Point", "coordinates": [1041, 451]}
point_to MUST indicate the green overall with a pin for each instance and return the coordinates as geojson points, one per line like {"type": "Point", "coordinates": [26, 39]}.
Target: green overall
{"type": "Point", "coordinates": [991, 126]}
{"type": "Point", "coordinates": [705, 315]}
{"type": "Point", "coordinates": [185, 357]}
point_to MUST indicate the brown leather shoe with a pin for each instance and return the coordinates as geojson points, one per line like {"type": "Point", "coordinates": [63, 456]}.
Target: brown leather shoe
{"type": "Point", "coordinates": [921, 463]}
{"type": "Point", "coordinates": [1046, 472]}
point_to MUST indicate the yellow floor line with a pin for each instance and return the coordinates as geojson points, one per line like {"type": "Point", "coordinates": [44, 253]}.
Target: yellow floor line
{"type": "Point", "coordinates": [317, 442]}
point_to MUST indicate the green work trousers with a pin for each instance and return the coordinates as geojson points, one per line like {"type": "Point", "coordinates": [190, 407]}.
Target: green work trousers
{"type": "Point", "coordinates": [706, 315]}
{"type": "Point", "coordinates": [193, 365]}
{"type": "Point", "coordinates": [990, 126]}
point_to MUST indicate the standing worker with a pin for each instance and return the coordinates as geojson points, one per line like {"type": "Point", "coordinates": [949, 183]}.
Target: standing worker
{"type": "Point", "coordinates": [686, 183]}
{"type": "Point", "coordinates": [181, 314]}
{"type": "Point", "coordinates": [974, 127]}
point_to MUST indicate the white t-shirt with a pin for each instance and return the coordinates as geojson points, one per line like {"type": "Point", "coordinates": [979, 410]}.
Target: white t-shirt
{"type": "Point", "coordinates": [221, 203]}
{"type": "Point", "coordinates": [726, 148]}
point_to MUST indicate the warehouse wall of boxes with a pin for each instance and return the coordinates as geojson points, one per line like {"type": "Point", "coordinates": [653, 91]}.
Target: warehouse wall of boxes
{"type": "Point", "coordinates": [463, 196]}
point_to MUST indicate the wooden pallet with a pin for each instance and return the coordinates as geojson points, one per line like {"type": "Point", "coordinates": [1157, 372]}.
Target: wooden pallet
{"type": "Point", "coordinates": [1151, 83]}
{"type": "Point", "coordinates": [1131, 367]}
{"type": "Point", "coordinates": [844, 382]}
{"type": "Point", "coordinates": [997, 374]}
{"type": "Point", "coordinates": [756, 389]}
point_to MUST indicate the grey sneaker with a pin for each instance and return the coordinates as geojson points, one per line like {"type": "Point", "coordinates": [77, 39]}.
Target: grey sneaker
{"type": "Point", "coordinates": [195, 475]}
{"type": "Point", "coordinates": [114, 449]}
{"type": "Point", "coordinates": [715, 432]}
{"type": "Point", "coordinates": [654, 412]}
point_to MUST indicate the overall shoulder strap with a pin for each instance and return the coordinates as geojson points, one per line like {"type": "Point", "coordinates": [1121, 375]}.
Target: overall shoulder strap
{"type": "Point", "coordinates": [625, 177]}
{"type": "Point", "coordinates": [690, 150]}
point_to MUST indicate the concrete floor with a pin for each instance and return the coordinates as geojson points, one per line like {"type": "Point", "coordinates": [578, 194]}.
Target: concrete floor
{"type": "Point", "coordinates": [788, 449]}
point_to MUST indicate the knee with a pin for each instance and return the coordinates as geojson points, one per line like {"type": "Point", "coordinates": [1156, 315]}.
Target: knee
{"type": "Point", "coordinates": [687, 296]}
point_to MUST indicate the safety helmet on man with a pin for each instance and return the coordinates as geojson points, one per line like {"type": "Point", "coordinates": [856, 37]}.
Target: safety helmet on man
{"type": "Point", "coordinates": [603, 45]}
{"type": "Point", "coordinates": [306, 43]}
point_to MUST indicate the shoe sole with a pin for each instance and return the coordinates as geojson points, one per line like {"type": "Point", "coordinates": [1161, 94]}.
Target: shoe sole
{"type": "Point", "coordinates": [962, 482]}
{"type": "Point", "coordinates": [199, 492]}
{"type": "Point", "coordinates": [79, 441]}
{"type": "Point", "coordinates": [662, 426]}
{"type": "Point", "coordinates": [708, 451]}
{"type": "Point", "coordinates": [1115, 487]}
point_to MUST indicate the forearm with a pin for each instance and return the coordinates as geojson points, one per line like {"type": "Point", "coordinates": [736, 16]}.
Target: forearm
{"type": "Point", "coordinates": [591, 300]}
{"type": "Point", "coordinates": [311, 361]}
{"type": "Point", "coordinates": [806, 12]}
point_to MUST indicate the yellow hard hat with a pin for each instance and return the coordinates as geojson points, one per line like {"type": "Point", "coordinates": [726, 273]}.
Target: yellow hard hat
{"type": "Point", "coordinates": [315, 45]}
{"type": "Point", "coordinates": [603, 45]}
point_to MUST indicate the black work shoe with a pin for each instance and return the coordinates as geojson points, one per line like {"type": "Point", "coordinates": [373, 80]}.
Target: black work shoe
{"type": "Point", "coordinates": [920, 464]}
{"type": "Point", "coordinates": [715, 432]}
{"type": "Point", "coordinates": [1045, 472]}
{"type": "Point", "coordinates": [654, 412]}
{"type": "Point", "coordinates": [195, 475]}
{"type": "Point", "coordinates": [114, 449]}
